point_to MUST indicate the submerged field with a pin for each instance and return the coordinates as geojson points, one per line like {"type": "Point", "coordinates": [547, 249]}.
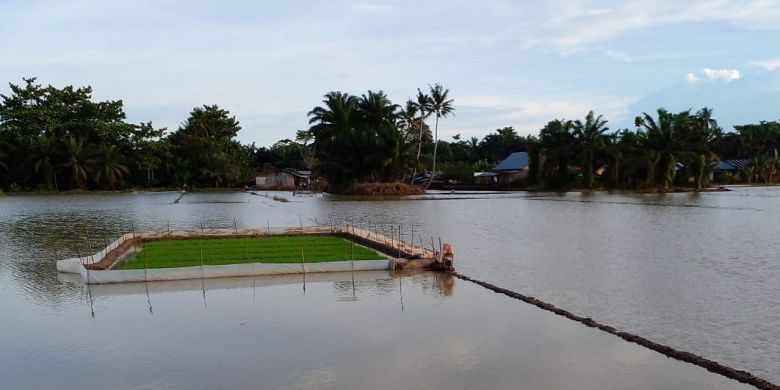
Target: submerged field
{"type": "Point", "coordinates": [279, 249]}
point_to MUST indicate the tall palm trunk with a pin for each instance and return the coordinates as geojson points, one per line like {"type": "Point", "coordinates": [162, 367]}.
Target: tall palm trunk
{"type": "Point", "coordinates": [419, 146]}
{"type": "Point", "coordinates": [435, 149]}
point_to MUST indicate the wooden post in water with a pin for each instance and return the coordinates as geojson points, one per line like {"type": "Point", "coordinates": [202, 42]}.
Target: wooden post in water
{"type": "Point", "coordinates": [303, 266]}
{"type": "Point", "coordinates": [235, 227]}
{"type": "Point", "coordinates": [146, 263]}
{"type": "Point", "coordinates": [269, 227]}
{"type": "Point", "coordinates": [92, 261]}
{"type": "Point", "coordinates": [399, 241]}
{"type": "Point", "coordinates": [412, 239]}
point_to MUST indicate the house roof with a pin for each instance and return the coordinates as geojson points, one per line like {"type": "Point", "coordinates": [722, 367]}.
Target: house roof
{"type": "Point", "coordinates": [304, 174]}
{"type": "Point", "coordinates": [513, 162]}
{"type": "Point", "coordinates": [732, 165]}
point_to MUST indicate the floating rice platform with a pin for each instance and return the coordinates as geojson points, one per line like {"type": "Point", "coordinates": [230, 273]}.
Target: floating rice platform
{"type": "Point", "coordinates": [214, 253]}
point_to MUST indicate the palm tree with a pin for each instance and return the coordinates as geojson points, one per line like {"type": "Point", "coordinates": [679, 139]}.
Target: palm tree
{"type": "Point", "coordinates": [407, 118]}
{"type": "Point", "coordinates": [378, 137]}
{"type": "Point", "coordinates": [442, 107]}
{"type": "Point", "coordinates": [423, 105]}
{"type": "Point", "coordinates": [77, 161]}
{"type": "Point", "coordinates": [703, 129]}
{"type": "Point", "coordinates": [43, 160]}
{"type": "Point", "coordinates": [556, 150]}
{"type": "Point", "coordinates": [109, 166]}
{"type": "Point", "coordinates": [332, 125]}
{"type": "Point", "coordinates": [590, 135]}
{"type": "Point", "coordinates": [662, 138]}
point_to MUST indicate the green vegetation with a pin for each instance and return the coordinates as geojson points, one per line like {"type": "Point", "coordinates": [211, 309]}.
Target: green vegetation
{"type": "Point", "coordinates": [54, 139]}
{"type": "Point", "coordinates": [279, 249]}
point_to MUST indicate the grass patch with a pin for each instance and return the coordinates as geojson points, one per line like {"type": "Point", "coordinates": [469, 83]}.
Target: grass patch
{"type": "Point", "coordinates": [186, 253]}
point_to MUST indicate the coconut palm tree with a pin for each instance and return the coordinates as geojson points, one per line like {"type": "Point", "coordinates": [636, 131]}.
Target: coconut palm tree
{"type": "Point", "coordinates": [332, 128]}
{"type": "Point", "coordinates": [441, 107]}
{"type": "Point", "coordinates": [77, 161]}
{"type": "Point", "coordinates": [407, 118]}
{"type": "Point", "coordinates": [43, 160]}
{"type": "Point", "coordinates": [109, 166]}
{"type": "Point", "coordinates": [423, 105]}
{"type": "Point", "coordinates": [591, 138]}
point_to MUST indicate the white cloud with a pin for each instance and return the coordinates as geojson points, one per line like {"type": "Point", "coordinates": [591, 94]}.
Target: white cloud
{"type": "Point", "coordinates": [577, 23]}
{"type": "Point", "coordinates": [726, 75]}
{"type": "Point", "coordinates": [528, 115]}
{"type": "Point", "coordinates": [769, 64]}
{"type": "Point", "coordinates": [721, 74]}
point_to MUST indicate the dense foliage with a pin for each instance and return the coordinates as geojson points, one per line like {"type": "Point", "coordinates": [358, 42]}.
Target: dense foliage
{"type": "Point", "coordinates": [61, 139]}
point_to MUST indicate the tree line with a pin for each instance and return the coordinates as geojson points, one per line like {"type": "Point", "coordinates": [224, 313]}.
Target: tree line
{"type": "Point", "coordinates": [61, 139]}
{"type": "Point", "coordinates": [54, 139]}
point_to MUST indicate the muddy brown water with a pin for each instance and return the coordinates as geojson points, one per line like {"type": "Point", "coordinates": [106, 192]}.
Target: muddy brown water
{"type": "Point", "coordinates": [696, 272]}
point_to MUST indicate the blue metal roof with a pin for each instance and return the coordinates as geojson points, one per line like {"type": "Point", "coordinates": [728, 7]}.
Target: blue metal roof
{"type": "Point", "coordinates": [732, 165]}
{"type": "Point", "coordinates": [515, 161]}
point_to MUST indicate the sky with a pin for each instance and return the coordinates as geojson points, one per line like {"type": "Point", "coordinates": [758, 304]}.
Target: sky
{"type": "Point", "coordinates": [506, 63]}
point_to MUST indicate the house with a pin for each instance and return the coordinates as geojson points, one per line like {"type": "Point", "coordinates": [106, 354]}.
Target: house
{"type": "Point", "coordinates": [512, 169]}
{"type": "Point", "coordinates": [287, 179]}
{"type": "Point", "coordinates": [273, 179]}
{"type": "Point", "coordinates": [485, 178]}
{"type": "Point", "coordinates": [728, 171]}
{"type": "Point", "coordinates": [301, 178]}
{"type": "Point", "coordinates": [730, 165]}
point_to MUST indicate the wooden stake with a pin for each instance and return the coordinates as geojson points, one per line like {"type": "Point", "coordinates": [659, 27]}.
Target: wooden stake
{"type": "Point", "coordinates": [412, 240]}
{"type": "Point", "coordinates": [399, 241]}
{"type": "Point", "coordinates": [303, 262]}
{"type": "Point", "coordinates": [146, 262]}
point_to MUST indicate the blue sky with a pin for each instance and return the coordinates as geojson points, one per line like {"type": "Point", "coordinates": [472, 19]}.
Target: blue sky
{"type": "Point", "coordinates": [506, 63]}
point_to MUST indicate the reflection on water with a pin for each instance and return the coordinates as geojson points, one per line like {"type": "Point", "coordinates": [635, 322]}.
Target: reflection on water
{"type": "Point", "coordinates": [264, 332]}
{"type": "Point", "coordinates": [695, 271]}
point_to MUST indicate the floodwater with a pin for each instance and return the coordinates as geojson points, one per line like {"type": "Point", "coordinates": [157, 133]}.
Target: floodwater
{"type": "Point", "coordinates": [696, 272]}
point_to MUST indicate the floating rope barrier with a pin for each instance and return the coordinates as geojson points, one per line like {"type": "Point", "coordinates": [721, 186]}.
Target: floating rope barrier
{"type": "Point", "coordinates": [709, 365]}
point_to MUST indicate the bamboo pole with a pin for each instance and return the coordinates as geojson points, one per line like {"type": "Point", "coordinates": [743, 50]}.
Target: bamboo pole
{"type": "Point", "coordinates": [412, 239]}
{"type": "Point", "coordinates": [146, 263]}
{"type": "Point", "coordinates": [303, 266]}
{"type": "Point", "coordinates": [399, 241]}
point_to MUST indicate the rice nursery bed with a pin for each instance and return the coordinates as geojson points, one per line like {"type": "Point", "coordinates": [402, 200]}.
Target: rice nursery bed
{"type": "Point", "coordinates": [275, 249]}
